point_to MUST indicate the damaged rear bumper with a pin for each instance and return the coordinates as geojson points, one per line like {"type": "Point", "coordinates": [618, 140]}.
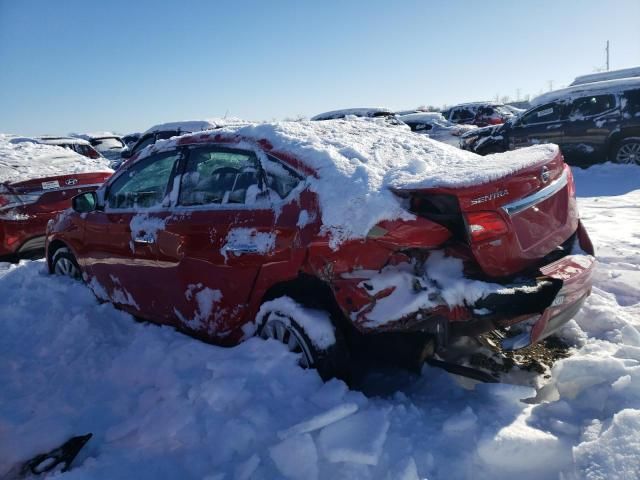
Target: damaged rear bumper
{"type": "Point", "coordinates": [529, 310]}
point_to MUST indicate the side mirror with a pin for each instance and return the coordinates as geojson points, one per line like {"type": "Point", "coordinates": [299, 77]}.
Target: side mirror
{"type": "Point", "coordinates": [85, 202]}
{"type": "Point", "coordinates": [126, 153]}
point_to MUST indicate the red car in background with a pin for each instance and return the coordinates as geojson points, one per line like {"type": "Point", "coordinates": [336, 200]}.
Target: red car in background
{"type": "Point", "coordinates": [27, 206]}
{"type": "Point", "coordinates": [222, 234]}
{"type": "Point", "coordinates": [36, 183]}
{"type": "Point", "coordinates": [480, 114]}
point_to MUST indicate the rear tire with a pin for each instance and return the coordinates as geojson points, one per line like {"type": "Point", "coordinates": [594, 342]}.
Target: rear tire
{"type": "Point", "coordinates": [65, 264]}
{"type": "Point", "coordinates": [330, 362]}
{"type": "Point", "coordinates": [627, 151]}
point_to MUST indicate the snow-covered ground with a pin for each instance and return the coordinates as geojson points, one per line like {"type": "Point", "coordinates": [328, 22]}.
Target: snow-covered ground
{"type": "Point", "coordinates": [162, 405]}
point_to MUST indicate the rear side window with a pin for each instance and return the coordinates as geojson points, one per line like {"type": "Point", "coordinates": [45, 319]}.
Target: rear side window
{"type": "Point", "coordinates": [462, 114]}
{"type": "Point", "coordinates": [551, 112]}
{"type": "Point", "coordinates": [144, 185]}
{"type": "Point", "coordinates": [590, 106]}
{"type": "Point", "coordinates": [280, 178]}
{"type": "Point", "coordinates": [631, 102]}
{"type": "Point", "coordinates": [220, 176]}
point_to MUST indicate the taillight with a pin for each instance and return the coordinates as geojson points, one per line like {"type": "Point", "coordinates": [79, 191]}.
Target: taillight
{"type": "Point", "coordinates": [485, 226]}
{"type": "Point", "coordinates": [9, 200]}
{"type": "Point", "coordinates": [570, 183]}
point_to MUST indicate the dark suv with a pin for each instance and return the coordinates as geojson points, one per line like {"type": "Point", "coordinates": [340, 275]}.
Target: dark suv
{"type": "Point", "coordinates": [591, 123]}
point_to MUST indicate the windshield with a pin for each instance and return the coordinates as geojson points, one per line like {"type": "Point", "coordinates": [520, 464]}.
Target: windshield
{"type": "Point", "coordinates": [107, 144]}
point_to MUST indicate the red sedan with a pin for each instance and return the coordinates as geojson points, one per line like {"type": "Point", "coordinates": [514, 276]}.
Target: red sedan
{"type": "Point", "coordinates": [336, 238]}
{"type": "Point", "coordinates": [37, 182]}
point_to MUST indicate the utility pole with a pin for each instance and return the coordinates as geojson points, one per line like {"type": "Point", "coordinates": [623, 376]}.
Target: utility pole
{"type": "Point", "coordinates": [607, 50]}
{"type": "Point", "coordinates": [550, 85]}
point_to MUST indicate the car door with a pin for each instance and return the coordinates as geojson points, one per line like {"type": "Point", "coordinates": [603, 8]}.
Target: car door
{"type": "Point", "coordinates": [224, 229]}
{"type": "Point", "coordinates": [119, 255]}
{"type": "Point", "coordinates": [543, 124]}
{"type": "Point", "coordinates": [591, 121]}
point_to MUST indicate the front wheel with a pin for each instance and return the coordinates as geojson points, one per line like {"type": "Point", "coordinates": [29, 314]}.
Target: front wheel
{"type": "Point", "coordinates": [308, 332]}
{"type": "Point", "coordinates": [627, 151]}
{"type": "Point", "coordinates": [64, 263]}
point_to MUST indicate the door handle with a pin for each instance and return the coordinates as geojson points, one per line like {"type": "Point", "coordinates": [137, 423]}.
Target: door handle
{"type": "Point", "coordinates": [242, 249]}
{"type": "Point", "coordinates": [144, 239]}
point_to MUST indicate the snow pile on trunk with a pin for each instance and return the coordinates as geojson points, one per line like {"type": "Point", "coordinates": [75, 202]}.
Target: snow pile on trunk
{"type": "Point", "coordinates": [26, 160]}
{"type": "Point", "coordinates": [359, 161]}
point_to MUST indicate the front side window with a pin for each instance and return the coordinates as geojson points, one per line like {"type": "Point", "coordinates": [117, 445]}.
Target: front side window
{"type": "Point", "coordinates": [220, 176]}
{"type": "Point", "coordinates": [144, 142]}
{"type": "Point", "coordinates": [631, 102]}
{"type": "Point", "coordinates": [144, 185]}
{"type": "Point", "coordinates": [551, 112]}
{"type": "Point", "coordinates": [592, 105]}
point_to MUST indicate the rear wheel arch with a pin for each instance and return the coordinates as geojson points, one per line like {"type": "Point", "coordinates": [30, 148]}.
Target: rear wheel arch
{"type": "Point", "coordinates": [614, 140]}
{"type": "Point", "coordinates": [309, 291]}
{"type": "Point", "coordinates": [312, 293]}
{"type": "Point", "coordinates": [620, 150]}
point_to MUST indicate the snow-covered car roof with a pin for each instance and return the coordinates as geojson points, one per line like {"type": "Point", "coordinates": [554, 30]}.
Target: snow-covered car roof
{"type": "Point", "coordinates": [25, 160]}
{"type": "Point", "coordinates": [570, 93]}
{"type": "Point", "coordinates": [356, 112]}
{"type": "Point", "coordinates": [189, 126]}
{"type": "Point", "coordinates": [96, 135]}
{"type": "Point", "coordinates": [49, 140]}
{"type": "Point", "coordinates": [476, 104]}
{"type": "Point", "coordinates": [357, 163]}
{"type": "Point", "coordinates": [610, 75]}
{"type": "Point", "coordinates": [426, 117]}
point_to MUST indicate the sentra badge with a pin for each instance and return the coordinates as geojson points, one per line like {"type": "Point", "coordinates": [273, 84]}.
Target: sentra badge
{"type": "Point", "coordinates": [490, 196]}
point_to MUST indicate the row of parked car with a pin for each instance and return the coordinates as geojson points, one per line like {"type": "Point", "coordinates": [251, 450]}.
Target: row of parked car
{"type": "Point", "coordinates": [227, 233]}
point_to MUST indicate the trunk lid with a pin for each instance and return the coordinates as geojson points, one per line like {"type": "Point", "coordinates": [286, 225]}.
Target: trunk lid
{"type": "Point", "coordinates": [54, 193]}
{"type": "Point", "coordinates": [525, 215]}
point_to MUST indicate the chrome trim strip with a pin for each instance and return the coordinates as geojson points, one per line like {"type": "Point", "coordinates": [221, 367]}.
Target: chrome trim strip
{"type": "Point", "coordinates": [72, 187]}
{"type": "Point", "coordinates": [548, 191]}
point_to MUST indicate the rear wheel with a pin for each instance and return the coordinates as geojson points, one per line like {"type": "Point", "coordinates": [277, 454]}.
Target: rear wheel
{"type": "Point", "coordinates": [627, 151]}
{"type": "Point", "coordinates": [291, 326]}
{"type": "Point", "coordinates": [64, 263]}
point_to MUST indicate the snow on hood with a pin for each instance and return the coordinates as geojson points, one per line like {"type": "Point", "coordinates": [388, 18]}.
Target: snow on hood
{"type": "Point", "coordinates": [25, 160]}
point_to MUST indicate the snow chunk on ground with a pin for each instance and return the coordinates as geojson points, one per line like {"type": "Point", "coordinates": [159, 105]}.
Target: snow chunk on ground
{"type": "Point", "coordinates": [356, 439]}
{"type": "Point", "coordinates": [613, 455]}
{"type": "Point", "coordinates": [316, 323]}
{"type": "Point", "coordinates": [296, 457]}
{"type": "Point", "coordinates": [519, 447]}
{"type": "Point", "coordinates": [319, 421]}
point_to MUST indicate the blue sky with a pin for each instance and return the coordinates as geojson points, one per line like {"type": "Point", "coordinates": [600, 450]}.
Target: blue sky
{"type": "Point", "coordinates": [124, 65]}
